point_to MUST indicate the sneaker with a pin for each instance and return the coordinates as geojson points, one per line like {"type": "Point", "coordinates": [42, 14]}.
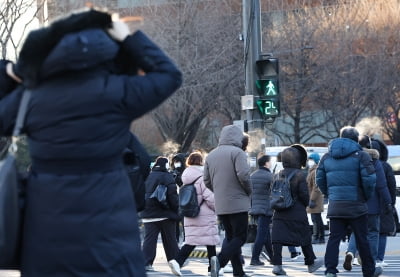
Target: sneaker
{"type": "Point", "coordinates": [215, 267]}
{"type": "Point", "coordinates": [221, 272]}
{"type": "Point", "coordinates": [265, 256]}
{"type": "Point", "coordinates": [149, 268]}
{"type": "Point", "coordinates": [348, 261]}
{"type": "Point", "coordinates": [359, 259]}
{"type": "Point", "coordinates": [175, 268]}
{"type": "Point", "coordinates": [329, 274]}
{"type": "Point", "coordinates": [355, 261]}
{"type": "Point", "coordinates": [295, 255]}
{"type": "Point", "coordinates": [228, 269]}
{"type": "Point", "coordinates": [317, 264]}
{"type": "Point", "coordinates": [256, 263]}
{"type": "Point", "coordinates": [278, 270]}
{"type": "Point", "coordinates": [381, 263]}
{"type": "Point", "coordinates": [378, 271]}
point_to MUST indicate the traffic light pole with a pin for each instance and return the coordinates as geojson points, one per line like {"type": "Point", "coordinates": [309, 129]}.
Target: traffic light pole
{"type": "Point", "coordinates": [252, 51]}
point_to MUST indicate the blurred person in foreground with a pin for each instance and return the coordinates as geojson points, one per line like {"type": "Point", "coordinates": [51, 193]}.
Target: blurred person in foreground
{"type": "Point", "coordinates": [80, 216]}
{"type": "Point", "coordinates": [290, 226]}
{"type": "Point", "coordinates": [346, 175]}
{"type": "Point", "coordinates": [227, 172]}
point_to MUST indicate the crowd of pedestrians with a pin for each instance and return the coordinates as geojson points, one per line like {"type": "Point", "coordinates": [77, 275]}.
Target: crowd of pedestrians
{"type": "Point", "coordinates": [353, 175]}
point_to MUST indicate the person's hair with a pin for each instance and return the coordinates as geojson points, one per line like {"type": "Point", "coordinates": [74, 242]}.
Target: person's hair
{"type": "Point", "coordinates": [195, 158]}
{"type": "Point", "coordinates": [349, 132]}
{"type": "Point", "coordinates": [365, 141]}
{"type": "Point", "coordinates": [161, 162]}
{"type": "Point", "coordinates": [263, 160]}
{"type": "Point", "coordinates": [279, 157]}
{"type": "Point", "coordinates": [245, 141]}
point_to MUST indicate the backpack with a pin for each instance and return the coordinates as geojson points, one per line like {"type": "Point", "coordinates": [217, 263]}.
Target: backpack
{"type": "Point", "coordinates": [281, 196]}
{"type": "Point", "coordinates": [188, 204]}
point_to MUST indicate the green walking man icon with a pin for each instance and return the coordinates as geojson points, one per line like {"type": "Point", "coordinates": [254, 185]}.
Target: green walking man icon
{"type": "Point", "coordinates": [271, 89]}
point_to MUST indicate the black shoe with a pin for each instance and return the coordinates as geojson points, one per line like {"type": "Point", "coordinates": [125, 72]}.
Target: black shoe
{"type": "Point", "coordinates": [294, 255]}
{"type": "Point", "coordinates": [244, 275]}
{"type": "Point", "coordinates": [256, 263]}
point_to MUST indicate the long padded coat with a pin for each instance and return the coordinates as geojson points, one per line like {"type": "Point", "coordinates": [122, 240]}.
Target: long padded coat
{"type": "Point", "coordinates": [80, 215]}
{"type": "Point", "coordinates": [290, 226]}
{"type": "Point", "coordinates": [202, 229]}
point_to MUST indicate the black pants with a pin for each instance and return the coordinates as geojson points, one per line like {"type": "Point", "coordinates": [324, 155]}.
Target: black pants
{"type": "Point", "coordinates": [235, 226]}
{"type": "Point", "coordinates": [186, 249]}
{"type": "Point", "coordinates": [307, 250]}
{"type": "Point", "coordinates": [167, 228]}
{"type": "Point", "coordinates": [318, 226]}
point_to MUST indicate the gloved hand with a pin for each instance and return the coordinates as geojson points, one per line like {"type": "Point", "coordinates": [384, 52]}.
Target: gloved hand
{"type": "Point", "coordinates": [388, 208]}
{"type": "Point", "coordinates": [312, 204]}
{"type": "Point", "coordinates": [119, 30]}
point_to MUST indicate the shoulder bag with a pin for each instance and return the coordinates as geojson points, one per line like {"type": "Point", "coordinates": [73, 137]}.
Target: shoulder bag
{"type": "Point", "coordinates": [10, 192]}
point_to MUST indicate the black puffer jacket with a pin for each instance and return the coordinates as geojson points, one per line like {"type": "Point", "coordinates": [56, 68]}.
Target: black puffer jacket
{"type": "Point", "coordinates": [153, 208]}
{"type": "Point", "coordinates": [291, 227]}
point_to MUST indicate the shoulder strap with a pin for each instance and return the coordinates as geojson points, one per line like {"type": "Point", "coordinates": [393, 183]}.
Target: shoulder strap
{"type": "Point", "coordinates": [195, 180]}
{"type": "Point", "coordinates": [19, 122]}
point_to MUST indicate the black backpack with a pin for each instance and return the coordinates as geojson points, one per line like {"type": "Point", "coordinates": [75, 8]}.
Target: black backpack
{"type": "Point", "coordinates": [188, 204]}
{"type": "Point", "coordinates": [281, 196]}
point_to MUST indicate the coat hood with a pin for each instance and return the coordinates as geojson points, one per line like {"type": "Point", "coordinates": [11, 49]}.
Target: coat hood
{"type": "Point", "coordinates": [39, 43]}
{"type": "Point", "coordinates": [78, 51]}
{"type": "Point", "coordinates": [342, 147]}
{"type": "Point", "coordinates": [231, 135]}
{"type": "Point", "coordinates": [382, 149]}
{"type": "Point", "coordinates": [373, 153]}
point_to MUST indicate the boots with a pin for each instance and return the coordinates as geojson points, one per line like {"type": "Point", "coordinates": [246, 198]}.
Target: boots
{"type": "Point", "coordinates": [278, 270]}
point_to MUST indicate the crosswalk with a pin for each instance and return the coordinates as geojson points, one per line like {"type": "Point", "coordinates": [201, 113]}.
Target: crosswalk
{"type": "Point", "coordinates": [198, 267]}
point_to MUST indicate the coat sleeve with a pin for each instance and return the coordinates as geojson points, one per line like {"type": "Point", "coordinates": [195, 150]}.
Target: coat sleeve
{"type": "Point", "coordinates": [243, 171]}
{"type": "Point", "coordinates": [207, 177]}
{"type": "Point", "coordinates": [8, 111]}
{"type": "Point", "coordinates": [302, 189]}
{"type": "Point", "coordinates": [173, 198]}
{"type": "Point", "coordinates": [381, 184]}
{"type": "Point", "coordinates": [162, 78]}
{"type": "Point", "coordinates": [320, 176]}
{"type": "Point", "coordinates": [208, 196]}
{"type": "Point", "coordinates": [391, 181]}
{"type": "Point", "coordinates": [368, 175]}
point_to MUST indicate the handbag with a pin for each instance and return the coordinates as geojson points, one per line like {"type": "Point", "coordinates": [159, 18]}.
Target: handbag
{"type": "Point", "coordinates": [251, 230]}
{"type": "Point", "coordinates": [160, 194]}
{"type": "Point", "coordinates": [10, 192]}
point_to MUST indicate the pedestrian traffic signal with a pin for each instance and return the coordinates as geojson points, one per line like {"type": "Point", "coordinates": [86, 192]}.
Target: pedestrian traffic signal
{"type": "Point", "coordinates": [267, 86]}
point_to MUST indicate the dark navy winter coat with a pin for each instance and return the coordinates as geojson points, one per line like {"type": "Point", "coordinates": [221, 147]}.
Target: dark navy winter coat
{"type": "Point", "coordinates": [261, 180]}
{"type": "Point", "coordinates": [381, 197]}
{"type": "Point", "coordinates": [80, 215]}
{"type": "Point", "coordinates": [347, 176]}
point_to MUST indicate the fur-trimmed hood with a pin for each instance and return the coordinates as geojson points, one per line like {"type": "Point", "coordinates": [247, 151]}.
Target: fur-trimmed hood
{"type": "Point", "coordinates": [59, 46]}
{"type": "Point", "coordinates": [373, 153]}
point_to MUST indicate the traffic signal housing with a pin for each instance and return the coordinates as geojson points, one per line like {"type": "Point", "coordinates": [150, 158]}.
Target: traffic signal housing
{"type": "Point", "coordinates": [267, 86]}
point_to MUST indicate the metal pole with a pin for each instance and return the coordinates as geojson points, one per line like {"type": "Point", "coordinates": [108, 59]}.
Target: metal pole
{"type": "Point", "coordinates": [252, 51]}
